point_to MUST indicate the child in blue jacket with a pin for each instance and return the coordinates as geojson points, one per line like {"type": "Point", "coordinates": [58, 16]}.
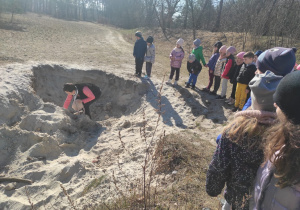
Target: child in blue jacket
{"type": "Point", "coordinates": [211, 64]}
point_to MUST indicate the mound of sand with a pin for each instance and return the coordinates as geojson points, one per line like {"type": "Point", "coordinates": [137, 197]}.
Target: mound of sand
{"type": "Point", "coordinates": [41, 141]}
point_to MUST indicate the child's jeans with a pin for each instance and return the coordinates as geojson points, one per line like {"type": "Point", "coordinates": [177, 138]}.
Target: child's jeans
{"type": "Point", "coordinates": [240, 95]}
{"type": "Point", "coordinates": [193, 79]}
{"type": "Point", "coordinates": [172, 73]}
{"type": "Point", "coordinates": [211, 79]}
{"type": "Point", "coordinates": [148, 68]}
{"type": "Point", "coordinates": [224, 87]}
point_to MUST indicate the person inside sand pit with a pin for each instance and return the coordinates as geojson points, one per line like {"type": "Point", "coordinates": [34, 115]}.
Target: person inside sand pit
{"type": "Point", "coordinates": [83, 95]}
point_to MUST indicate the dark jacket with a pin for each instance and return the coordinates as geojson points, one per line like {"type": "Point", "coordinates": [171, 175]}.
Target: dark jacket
{"type": "Point", "coordinates": [246, 74]}
{"type": "Point", "coordinates": [234, 165]}
{"type": "Point", "coordinates": [194, 67]}
{"type": "Point", "coordinates": [234, 73]}
{"type": "Point", "coordinates": [140, 48]}
{"type": "Point", "coordinates": [95, 89]}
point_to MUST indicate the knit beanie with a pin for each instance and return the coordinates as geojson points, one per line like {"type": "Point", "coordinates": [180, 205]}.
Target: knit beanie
{"type": "Point", "coordinates": [197, 42]}
{"type": "Point", "coordinates": [241, 55]}
{"type": "Point", "coordinates": [287, 96]}
{"type": "Point", "coordinates": [298, 67]}
{"type": "Point", "coordinates": [258, 52]}
{"type": "Point", "coordinates": [279, 60]}
{"type": "Point", "coordinates": [138, 34]}
{"type": "Point", "coordinates": [192, 57]}
{"type": "Point", "coordinates": [223, 49]}
{"type": "Point", "coordinates": [218, 44]}
{"type": "Point", "coordinates": [230, 50]}
{"type": "Point", "coordinates": [180, 42]}
{"type": "Point", "coordinates": [263, 87]}
{"type": "Point", "coordinates": [150, 39]}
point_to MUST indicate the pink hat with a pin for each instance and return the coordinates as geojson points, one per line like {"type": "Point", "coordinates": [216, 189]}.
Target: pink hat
{"type": "Point", "coordinates": [230, 50]}
{"type": "Point", "coordinates": [223, 49]}
{"type": "Point", "coordinates": [241, 55]}
{"type": "Point", "coordinates": [298, 67]}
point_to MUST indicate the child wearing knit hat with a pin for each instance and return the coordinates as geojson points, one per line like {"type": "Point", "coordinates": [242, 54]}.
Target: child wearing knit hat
{"type": "Point", "coordinates": [176, 58]}
{"type": "Point", "coordinates": [139, 51]}
{"type": "Point", "coordinates": [230, 51]}
{"type": "Point", "coordinates": [233, 74]}
{"type": "Point", "coordinates": [212, 63]}
{"type": "Point", "coordinates": [197, 51]}
{"type": "Point", "coordinates": [277, 184]}
{"type": "Point", "coordinates": [150, 56]}
{"type": "Point", "coordinates": [219, 69]}
{"type": "Point", "coordinates": [246, 74]}
{"type": "Point", "coordinates": [194, 68]}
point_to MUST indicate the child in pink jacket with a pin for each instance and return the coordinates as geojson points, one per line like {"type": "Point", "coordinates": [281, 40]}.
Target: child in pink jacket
{"type": "Point", "coordinates": [83, 95]}
{"type": "Point", "coordinates": [176, 58]}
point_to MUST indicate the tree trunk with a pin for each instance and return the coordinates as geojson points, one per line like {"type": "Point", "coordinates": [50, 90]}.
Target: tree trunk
{"type": "Point", "coordinates": [218, 21]}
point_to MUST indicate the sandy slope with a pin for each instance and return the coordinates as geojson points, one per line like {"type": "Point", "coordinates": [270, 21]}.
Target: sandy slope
{"type": "Point", "coordinates": [48, 145]}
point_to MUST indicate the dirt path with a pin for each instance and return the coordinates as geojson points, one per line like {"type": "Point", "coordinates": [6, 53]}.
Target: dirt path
{"type": "Point", "coordinates": [44, 39]}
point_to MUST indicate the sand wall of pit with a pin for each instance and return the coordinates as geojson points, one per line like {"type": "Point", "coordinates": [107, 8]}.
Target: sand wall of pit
{"type": "Point", "coordinates": [119, 96]}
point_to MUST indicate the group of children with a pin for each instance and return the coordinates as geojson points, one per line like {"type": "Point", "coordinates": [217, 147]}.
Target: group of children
{"type": "Point", "coordinates": [258, 154]}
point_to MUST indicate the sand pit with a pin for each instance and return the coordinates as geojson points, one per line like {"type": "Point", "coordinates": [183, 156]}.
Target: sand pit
{"type": "Point", "coordinates": [50, 146]}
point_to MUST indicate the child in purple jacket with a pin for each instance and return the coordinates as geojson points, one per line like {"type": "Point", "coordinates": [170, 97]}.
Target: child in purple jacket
{"type": "Point", "coordinates": [176, 58]}
{"type": "Point", "coordinates": [211, 64]}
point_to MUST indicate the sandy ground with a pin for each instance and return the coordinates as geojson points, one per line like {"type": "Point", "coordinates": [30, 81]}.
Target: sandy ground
{"type": "Point", "coordinates": [50, 146]}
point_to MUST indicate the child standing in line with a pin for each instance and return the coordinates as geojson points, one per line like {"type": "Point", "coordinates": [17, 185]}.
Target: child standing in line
{"type": "Point", "coordinates": [197, 51]}
{"type": "Point", "coordinates": [233, 74]}
{"type": "Point", "coordinates": [277, 184]}
{"type": "Point", "coordinates": [194, 68]}
{"type": "Point", "coordinates": [230, 51]}
{"type": "Point", "coordinates": [150, 56]}
{"type": "Point", "coordinates": [246, 74]}
{"type": "Point", "coordinates": [219, 68]}
{"type": "Point", "coordinates": [176, 58]}
{"type": "Point", "coordinates": [139, 50]}
{"type": "Point", "coordinates": [240, 150]}
{"type": "Point", "coordinates": [211, 65]}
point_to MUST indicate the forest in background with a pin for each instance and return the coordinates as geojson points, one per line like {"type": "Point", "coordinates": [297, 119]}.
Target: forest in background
{"type": "Point", "coordinates": [277, 20]}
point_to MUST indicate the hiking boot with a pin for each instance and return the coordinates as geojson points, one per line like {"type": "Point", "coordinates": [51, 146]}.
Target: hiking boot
{"type": "Point", "coordinates": [193, 87]}
{"type": "Point", "coordinates": [234, 109]}
{"type": "Point", "coordinates": [187, 85]}
{"type": "Point", "coordinates": [221, 97]}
